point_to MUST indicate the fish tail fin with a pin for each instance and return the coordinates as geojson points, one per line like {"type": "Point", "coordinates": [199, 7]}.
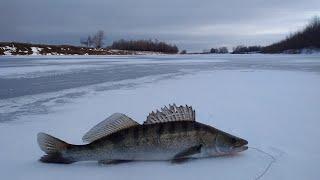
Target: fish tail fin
{"type": "Point", "coordinates": [54, 148]}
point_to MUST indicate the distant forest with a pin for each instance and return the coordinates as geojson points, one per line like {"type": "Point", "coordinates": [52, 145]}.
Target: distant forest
{"type": "Point", "coordinates": [309, 37]}
{"type": "Point", "coordinates": [144, 45]}
{"type": "Point", "coordinates": [246, 49]}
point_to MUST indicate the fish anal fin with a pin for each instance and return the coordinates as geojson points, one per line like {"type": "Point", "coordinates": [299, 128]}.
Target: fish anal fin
{"type": "Point", "coordinates": [184, 155]}
{"type": "Point", "coordinates": [56, 158]}
{"type": "Point", "coordinates": [179, 161]}
{"type": "Point", "coordinates": [109, 162]}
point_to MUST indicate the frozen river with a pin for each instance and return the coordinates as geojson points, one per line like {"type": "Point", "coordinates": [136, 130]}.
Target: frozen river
{"type": "Point", "coordinates": [70, 75]}
{"type": "Point", "coordinates": [30, 76]}
{"type": "Point", "coordinates": [271, 100]}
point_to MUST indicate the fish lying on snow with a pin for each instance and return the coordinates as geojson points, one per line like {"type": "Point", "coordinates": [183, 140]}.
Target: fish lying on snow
{"type": "Point", "coordinates": [170, 134]}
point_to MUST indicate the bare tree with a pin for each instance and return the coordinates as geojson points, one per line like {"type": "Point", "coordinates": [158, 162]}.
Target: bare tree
{"type": "Point", "coordinates": [314, 22]}
{"type": "Point", "coordinates": [97, 39]}
{"type": "Point", "coordinates": [87, 42]}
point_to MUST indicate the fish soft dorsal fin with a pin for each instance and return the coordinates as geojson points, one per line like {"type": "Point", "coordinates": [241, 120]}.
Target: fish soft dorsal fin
{"type": "Point", "coordinates": [173, 113]}
{"type": "Point", "coordinates": [113, 123]}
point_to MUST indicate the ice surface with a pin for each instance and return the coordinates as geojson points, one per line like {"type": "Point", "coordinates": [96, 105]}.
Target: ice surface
{"type": "Point", "coordinates": [272, 101]}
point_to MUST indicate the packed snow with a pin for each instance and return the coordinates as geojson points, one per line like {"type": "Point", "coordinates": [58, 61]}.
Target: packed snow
{"type": "Point", "coordinates": [270, 100]}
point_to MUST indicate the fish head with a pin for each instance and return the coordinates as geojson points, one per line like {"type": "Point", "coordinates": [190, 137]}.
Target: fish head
{"type": "Point", "coordinates": [227, 144]}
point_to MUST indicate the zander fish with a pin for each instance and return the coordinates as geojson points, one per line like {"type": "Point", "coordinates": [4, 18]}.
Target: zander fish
{"type": "Point", "coordinates": [170, 134]}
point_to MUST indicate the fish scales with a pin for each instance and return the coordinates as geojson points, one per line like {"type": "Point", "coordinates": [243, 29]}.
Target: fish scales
{"type": "Point", "coordinates": [142, 142]}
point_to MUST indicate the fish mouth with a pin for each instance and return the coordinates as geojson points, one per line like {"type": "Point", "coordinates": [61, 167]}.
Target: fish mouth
{"type": "Point", "coordinates": [242, 146]}
{"type": "Point", "coordinates": [240, 149]}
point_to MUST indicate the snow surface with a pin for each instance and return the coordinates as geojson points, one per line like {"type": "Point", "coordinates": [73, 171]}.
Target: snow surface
{"type": "Point", "coordinates": [274, 106]}
{"type": "Point", "coordinates": [8, 50]}
{"type": "Point", "coordinates": [36, 50]}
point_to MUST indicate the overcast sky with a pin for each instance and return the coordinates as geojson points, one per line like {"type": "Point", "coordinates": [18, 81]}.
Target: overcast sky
{"type": "Point", "coordinates": [191, 24]}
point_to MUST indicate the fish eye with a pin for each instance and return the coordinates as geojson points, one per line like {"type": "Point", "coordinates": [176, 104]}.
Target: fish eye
{"type": "Point", "coordinates": [233, 140]}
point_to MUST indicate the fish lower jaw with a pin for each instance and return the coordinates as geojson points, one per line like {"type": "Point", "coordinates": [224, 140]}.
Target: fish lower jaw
{"type": "Point", "coordinates": [240, 149]}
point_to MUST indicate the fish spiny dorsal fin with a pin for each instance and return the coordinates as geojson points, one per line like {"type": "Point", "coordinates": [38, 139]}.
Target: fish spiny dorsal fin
{"type": "Point", "coordinates": [113, 123]}
{"type": "Point", "coordinates": [173, 113]}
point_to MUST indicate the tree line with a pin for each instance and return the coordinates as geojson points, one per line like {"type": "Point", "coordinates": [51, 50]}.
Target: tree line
{"type": "Point", "coordinates": [309, 37]}
{"type": "Point", "coordinates": [246, 49]}
{"type": "Point", "coordinates": [145, 45]}
{"type": "Point", "coordinates": [97, 41]}
{"type": "Point", "coordinates": [220, 50]}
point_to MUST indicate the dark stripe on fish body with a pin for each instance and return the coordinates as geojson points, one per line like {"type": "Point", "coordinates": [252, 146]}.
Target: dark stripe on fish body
{"type": "Point", "coordinates": [184, 126]}
{"type": "Point", "coordinates": [172, 127]}
{"type": "Point", "coordinates": [125, 132]}
{"type": "Point", "coordinates": [160, 129]}
{"type": "Point", "coordinates": [135, 133]}
{"type": "Point", "coordinates": [206, 127]}
{"type": "Point", "coordinates": [191, 126]}
{"type": "Point", "coordinates": [201, 127]}
{"type": "Point", "coordinates": [117, 137]}
{"type": "Point", "coordinates": [154, 129]}
{"type": "Point", "coordinates": [196, 126]}
{"type": "Point", "coordinates": [144, 130]}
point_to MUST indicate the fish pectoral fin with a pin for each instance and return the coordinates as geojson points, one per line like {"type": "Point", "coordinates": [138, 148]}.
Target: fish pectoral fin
{"type": "Point", "coordinates": [108, 162]}
{"type": "Point", "coordinates": [185, 154]}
